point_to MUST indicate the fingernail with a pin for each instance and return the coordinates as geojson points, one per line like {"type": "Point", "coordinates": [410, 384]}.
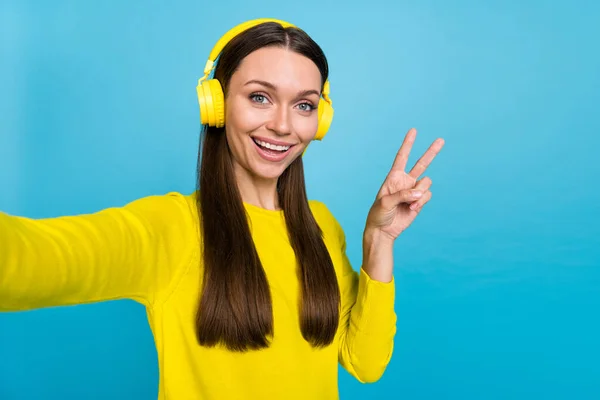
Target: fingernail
{"type": "Point", "coordinates": [416, 194]}
{"type": "Point", "coordinates": [414, 206]}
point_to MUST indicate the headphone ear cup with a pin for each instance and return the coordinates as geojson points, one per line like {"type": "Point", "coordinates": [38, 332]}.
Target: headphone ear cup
{"type": "Point", "coordinates": [212, 103]}
{"type": "Point", "coordinates": [202, 104]}
{"type": "Point", "coordinates": [218, 102]}
{"type": "Point", "coordinates": [325, 117]}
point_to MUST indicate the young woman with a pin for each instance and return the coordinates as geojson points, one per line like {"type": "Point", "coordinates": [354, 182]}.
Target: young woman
{"type": "Point", "coordinates": [247, 286]}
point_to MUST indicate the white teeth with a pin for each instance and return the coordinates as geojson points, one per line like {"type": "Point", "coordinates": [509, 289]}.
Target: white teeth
{"type": "Point", "coordinates": [272, 146]}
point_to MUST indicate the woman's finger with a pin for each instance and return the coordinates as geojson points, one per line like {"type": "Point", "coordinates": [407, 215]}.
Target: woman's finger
{"type": "Point", "coordinates": [404, 151]}
{"type": "Point", "coordinates": [426, 158]}
{"type": "Point", "coordinates": [417, 205]}
{"type": "Point", "coordinates": [391, 201]}
{"type": "Point", "coordinates": [423, 184]}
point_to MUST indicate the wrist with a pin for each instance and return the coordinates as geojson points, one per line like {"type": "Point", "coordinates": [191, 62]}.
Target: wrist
{"type": "Point", "coordinates": [378, 249]}
{"type": "Point", "coordinates": [375, 238]}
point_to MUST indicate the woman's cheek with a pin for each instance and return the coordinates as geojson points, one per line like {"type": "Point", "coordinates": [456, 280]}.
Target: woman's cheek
{"type": "Point", "coordinates": [306, 127]}
{"type": "Point", "coordinates": [253, 117]}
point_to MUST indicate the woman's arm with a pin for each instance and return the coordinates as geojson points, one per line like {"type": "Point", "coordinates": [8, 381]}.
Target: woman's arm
{"type": "Point", "coordinates": [367, 344]}
{"type": "Point", "coordinates": [368, 319]}
{"type": "Point", "coordinates": [367, 322]}
{"type": "Point", "coordinates": [136, 251]}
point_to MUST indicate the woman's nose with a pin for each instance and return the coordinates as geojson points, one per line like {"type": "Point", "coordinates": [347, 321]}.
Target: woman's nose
{"type": "Point", "coordinates": [280, 121]}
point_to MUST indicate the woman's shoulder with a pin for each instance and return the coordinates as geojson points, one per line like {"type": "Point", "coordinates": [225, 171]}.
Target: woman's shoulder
{"type": "Point", "coordinates": [167, 202]}
{"type": "Point", "coordinates": [172, 210]}
{"type": "Point", "coordinates": [326, 219]}
{"type": "Point", "coordinates": [321, 211]}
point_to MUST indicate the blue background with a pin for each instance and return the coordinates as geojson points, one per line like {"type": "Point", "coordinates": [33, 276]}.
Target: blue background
{"type": "Point", "coordinates": [498, 279]}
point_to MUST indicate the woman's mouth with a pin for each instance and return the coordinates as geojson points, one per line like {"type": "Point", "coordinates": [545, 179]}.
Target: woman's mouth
{"type": "Point", "coordinates": [270, 151]}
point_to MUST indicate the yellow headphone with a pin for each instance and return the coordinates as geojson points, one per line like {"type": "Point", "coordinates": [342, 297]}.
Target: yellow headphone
{"type": "Point", "coordinates": [210, 92]}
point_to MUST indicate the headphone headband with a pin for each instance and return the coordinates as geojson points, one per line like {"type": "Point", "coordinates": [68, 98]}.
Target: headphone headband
{"type": "Point", "coordinates": [233, 32]}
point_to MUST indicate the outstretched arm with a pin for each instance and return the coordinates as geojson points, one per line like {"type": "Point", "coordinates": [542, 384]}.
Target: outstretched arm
{"type": "Point", "coordinates": [136, 251]}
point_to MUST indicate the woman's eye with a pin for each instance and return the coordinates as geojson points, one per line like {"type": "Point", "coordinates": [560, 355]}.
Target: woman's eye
{"type": "Point", "coordinates": [306, 106]}
{"type": "Point", "coordinates": [258, 98]}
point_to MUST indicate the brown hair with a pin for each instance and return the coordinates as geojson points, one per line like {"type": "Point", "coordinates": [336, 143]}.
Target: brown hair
{"type": "Point", "coordinates": [235, 303]}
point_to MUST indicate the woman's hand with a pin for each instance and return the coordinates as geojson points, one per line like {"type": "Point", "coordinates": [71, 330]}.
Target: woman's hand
{"type": "Point", "coordinates": [398, 201]}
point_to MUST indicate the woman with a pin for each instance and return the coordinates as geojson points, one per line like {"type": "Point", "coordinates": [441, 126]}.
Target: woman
{"type": "Point", "coordinates": [247, 286]}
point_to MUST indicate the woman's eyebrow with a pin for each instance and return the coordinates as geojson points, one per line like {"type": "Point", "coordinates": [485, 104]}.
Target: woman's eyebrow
{"type": "Point", "coordinates": [301, 93]}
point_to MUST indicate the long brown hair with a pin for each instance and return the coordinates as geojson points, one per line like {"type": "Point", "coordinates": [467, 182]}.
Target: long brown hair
{"type": "Point", "coordinates": [235, 303]}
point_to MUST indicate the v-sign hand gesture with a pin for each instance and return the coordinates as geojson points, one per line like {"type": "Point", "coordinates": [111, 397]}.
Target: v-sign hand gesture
{"type": "Point", "coordinates": [398, 202]}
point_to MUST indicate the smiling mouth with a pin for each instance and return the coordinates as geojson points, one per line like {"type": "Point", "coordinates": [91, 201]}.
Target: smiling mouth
{"type": "Point", "coordinates": [271, 147]}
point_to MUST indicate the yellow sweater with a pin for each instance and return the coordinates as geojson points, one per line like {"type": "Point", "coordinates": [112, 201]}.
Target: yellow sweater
{"type": "Point", "coordinates": [148, 251]}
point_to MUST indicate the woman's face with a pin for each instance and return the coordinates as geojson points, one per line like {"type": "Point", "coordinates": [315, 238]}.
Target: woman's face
{"type": "Point", "coordinates": [271, 111]}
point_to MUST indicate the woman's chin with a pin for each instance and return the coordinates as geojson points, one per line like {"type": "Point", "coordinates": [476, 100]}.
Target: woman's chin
{"type": "Point", "coordinates": [268, 172]}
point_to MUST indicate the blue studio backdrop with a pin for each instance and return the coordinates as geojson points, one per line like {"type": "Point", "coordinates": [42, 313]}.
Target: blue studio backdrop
{"type": "Point", "coordinates": [498, 279]}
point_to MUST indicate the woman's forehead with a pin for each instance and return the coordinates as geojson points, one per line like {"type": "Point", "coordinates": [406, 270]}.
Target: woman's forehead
{"type": "Point", "coordinates": [279, 66]}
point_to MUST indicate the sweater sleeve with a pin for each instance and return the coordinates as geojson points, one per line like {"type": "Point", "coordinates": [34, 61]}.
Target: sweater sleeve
{"type": "Point", "coordinates": [137, 252]}
{"type": "Point", "coordinates": [367, 325]}
{"type": "Point", "coordinates": [367, 318]}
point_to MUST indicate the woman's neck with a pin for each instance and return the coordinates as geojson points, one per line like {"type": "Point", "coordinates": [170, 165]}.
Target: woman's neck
{"type": "Point", "coordinates": [257, 191]}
